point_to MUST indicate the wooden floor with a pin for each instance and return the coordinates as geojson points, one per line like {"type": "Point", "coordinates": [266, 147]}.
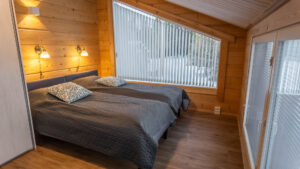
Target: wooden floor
{"type": "Point", "coordinates": [198, 141]}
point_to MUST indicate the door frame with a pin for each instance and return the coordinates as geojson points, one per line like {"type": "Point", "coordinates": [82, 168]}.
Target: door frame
{"type": "Point", "coordinates": [269, 37]}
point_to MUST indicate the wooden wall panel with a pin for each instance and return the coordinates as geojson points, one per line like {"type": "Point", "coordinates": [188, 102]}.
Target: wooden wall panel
{"type": "Point", "coordinates": [106, 38]}
{"type": "Point", "coordinates": [234, 35]}
{"type": "Point", "coordinates": [61, 26]}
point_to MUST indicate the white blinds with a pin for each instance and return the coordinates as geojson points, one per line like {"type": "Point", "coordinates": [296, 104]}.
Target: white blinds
{"type": "Point", "coordinates": [284, 145]}
{"type": "Point", "coordinates": [154, 50]}
{"type": "Point", "coordinates": [258, 85]}
{"type": "Point", "coordinates": [290, 73]}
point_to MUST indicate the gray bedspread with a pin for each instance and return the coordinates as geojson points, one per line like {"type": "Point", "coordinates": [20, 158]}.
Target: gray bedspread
{"type": "Point", "coordinates": [116, 125]}
{"type": "Point", "coordinates": [172, 95]}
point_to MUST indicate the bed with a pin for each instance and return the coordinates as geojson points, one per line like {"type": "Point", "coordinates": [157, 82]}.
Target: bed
{"type": "Point", "coordinates": [124, 122]}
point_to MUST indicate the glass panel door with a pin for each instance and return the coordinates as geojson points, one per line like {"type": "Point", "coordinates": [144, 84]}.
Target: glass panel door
{"type": "Point", "coordinates": [284, 144]}
{"type": "Point", "coordinates": [258, 84]}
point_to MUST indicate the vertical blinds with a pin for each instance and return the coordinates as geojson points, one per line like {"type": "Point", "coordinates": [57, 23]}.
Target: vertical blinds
{"type": "Point", "coordinates": [258, 85]}
{"type": "Point", "coordinates": [284, 144]}
{"type": "Point", "coordinates": [154, 50]}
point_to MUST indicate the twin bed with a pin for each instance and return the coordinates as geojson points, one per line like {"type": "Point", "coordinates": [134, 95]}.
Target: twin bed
{"type": "Point", "coordinates": [125, 121]}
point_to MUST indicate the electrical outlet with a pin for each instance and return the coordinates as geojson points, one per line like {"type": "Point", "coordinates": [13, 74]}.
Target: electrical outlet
{"type": "Point", "coordinates": [217, 110]}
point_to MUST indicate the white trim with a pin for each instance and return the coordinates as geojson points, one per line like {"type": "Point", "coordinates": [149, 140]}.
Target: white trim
{"type": "Point", "coordinates": [249, 152]}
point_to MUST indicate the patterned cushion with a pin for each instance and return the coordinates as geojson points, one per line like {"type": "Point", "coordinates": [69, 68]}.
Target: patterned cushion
{"type": "Point", "coordinates": [68, 92]}
{"type": "Point", "coordinates": [111, 81]}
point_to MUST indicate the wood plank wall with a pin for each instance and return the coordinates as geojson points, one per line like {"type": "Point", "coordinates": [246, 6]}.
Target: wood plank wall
{"type": "Point", "coordinates": [62, 25]}
{"type": "Point", "coordinates": [287, 15]}
{"type": "Point", "coordinates": [184, 16]}
{"type": "Point", "coordinates": [106, 38]}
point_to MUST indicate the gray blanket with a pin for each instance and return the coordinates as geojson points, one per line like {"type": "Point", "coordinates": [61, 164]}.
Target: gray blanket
{"type": "Point", "coordinates": [116, 125]}
{"type": "Point", "coordinates": [172, 95]}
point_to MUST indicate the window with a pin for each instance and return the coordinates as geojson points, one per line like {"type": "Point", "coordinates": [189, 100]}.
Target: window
{"type": "Point", "coordinates": [151, 49]}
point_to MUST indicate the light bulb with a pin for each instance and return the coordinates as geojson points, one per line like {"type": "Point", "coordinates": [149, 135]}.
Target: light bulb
{"type": "Point", "coordinates": [44, 54]}
{"type": "Point", "coordinates": [84, 52]}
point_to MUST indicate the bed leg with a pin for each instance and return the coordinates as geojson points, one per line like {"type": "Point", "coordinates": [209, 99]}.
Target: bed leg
{"type": "Point", "coordinates": [165, 136]}
{"type": "Point", "coordinates": [179, 113]}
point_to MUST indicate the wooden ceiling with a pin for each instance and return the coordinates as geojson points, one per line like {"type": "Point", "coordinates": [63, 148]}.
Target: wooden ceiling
{"type": "Point", "coordinates": [242, 13]}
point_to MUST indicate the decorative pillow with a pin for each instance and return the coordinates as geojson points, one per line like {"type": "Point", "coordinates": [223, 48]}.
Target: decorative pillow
{"type": "Point", "coordinates": [68, 92]}
{"type": "Point", "coordinates": [111, 81]}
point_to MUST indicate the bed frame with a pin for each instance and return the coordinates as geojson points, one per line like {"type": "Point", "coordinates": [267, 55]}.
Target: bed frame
{"type": "Point", "coordinates": [57, 80]}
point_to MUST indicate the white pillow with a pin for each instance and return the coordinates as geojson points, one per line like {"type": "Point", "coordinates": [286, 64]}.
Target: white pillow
{"type": "Point", "coordinates": [68, 92]}
{"type": "Point", "coordinates": [111, 81]}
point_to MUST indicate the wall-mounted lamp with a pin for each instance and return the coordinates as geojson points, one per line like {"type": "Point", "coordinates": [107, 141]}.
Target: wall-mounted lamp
{"type": "Point", "coordinates": [84, 52]}
{"type": "Point", "coordinates": [34, 11]}
{"type": "Point", "coordinates": [81, 52]}
{"type": "Point", "coordinates": [43, 54]}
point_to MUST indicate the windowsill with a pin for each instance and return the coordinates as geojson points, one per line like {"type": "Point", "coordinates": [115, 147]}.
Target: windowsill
{"type": "Point", "coordinates": [188, 89]}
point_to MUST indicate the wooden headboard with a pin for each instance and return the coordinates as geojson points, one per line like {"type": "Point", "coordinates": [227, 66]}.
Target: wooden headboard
{"type": "Point", "coordinates": [57, 80]}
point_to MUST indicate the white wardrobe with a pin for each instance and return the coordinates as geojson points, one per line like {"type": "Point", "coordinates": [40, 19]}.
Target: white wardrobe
{"type": "Point", "coordinates": [16, 133]}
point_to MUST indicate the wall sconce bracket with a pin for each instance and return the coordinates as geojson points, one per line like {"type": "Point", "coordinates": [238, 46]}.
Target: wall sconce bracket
{"type": "Point", "coordinates": [79, 50]}
{"type": "Point", "coordinates": [38, 49]}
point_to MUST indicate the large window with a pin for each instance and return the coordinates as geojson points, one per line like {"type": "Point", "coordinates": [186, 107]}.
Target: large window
{"type": "Point", "coordinates": [151, 49]}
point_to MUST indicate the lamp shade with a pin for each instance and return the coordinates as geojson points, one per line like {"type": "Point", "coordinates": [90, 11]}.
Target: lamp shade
{"type": "Point", "coordinates": [44, 54]}
{"type": "Point", "coordinates": [84, 52]}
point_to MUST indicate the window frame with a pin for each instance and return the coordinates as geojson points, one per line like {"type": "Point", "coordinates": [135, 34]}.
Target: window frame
{"type": "Point", "coordinates": [219, 91]}
{"type": "Point", "coordinates": [269, 37]}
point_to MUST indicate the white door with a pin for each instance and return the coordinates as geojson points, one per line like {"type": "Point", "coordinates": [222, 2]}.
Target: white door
{"type": "Point", "coordinates": [282, 143]}
{"type": "Point", "coordinates": [258, 83]}
{"type": "Point", "coordinates": [16, 135]}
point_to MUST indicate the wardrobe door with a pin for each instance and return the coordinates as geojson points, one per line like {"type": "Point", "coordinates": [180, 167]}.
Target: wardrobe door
{"type": "Point", "coordinates": [260, 70]}
{"type": "Point", "coordinates": [16, 135]}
